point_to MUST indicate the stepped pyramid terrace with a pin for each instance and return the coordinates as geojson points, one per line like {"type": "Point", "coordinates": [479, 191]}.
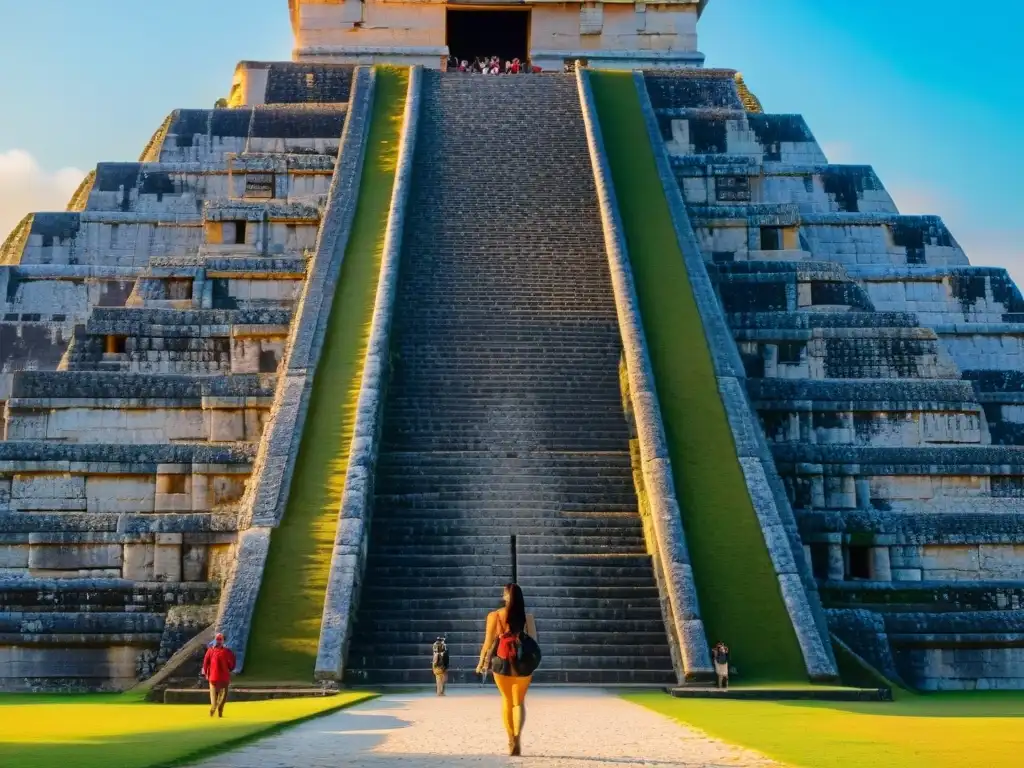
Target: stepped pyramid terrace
{"type": "Point", "coordinates": [304, 374]}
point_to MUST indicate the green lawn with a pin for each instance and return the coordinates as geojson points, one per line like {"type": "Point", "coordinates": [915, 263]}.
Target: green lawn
{"type": "Point", "coordinates": [958, 730]}
{"type": "Point", "coordinates": [736, 584]}
{"type": "Point", "coordinates": [122, 731]}
{"type": "Point", "coordinates": [286, 627]}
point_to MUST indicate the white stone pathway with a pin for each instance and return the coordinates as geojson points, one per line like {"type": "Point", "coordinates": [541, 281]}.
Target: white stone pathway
{"type": "Point", "coordinates": [565, 727]}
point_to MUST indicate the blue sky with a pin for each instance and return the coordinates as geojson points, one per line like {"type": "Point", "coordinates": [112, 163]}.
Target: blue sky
{"type": "Point", "coordinates": [928, 92]}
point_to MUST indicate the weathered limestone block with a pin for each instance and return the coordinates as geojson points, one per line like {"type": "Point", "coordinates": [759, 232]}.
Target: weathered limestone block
{"type": "Point", "coordinates": [194, 563]}
{"type": "Point", "coordinates": [966, 669]}
{"type": "Point", "coordinates": [64, 557]}
{"type": "Point", "coordinates": [138, 561]}
{"type": "Point", "coordinates": [56, 492]}
{"type": "Point", "coordinates": [167, 557]}
{"type": "Point", "coordinates": [201, 498]}
{"type": "Point", "coordinates": [102, 423]}
{"type": "Point", "coordinates": [836, 562]}
{"type": "Point", "coordinates": [257, 349]}
{"type": "Point", "coordinates": [1001, 561]}
{"type": "Point", "coordinates": [227, 426]}
{"type": "Point", "coordinates": [881, 566]}
{"type": "Point", "coordinates": [14, 556]}
{"type": "Point", "coordinates": [225, 490]}
{"type": "Point", "coordinates": [124, 493]}
{"type": "Point", "coordinates": [950, 563]}
{"type": "Point", "coordinates": [111, 668]}
{"type": "Point", "coordinates": [220, 562]}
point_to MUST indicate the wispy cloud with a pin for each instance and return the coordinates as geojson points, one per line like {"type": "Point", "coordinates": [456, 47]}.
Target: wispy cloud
{"type": "Point", "coordinates": [26, 187]}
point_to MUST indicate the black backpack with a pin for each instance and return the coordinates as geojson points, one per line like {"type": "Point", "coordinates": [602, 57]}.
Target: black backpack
{"type": "Point", "coordinates": [439, 660]}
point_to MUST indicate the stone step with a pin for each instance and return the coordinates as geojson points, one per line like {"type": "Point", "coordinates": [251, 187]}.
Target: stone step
{"type": "Point", "coordinates": [566, 617]}
{"type": "Point", "coordinates": [386, 572]}
{"type": "Point", "coordinates": [488, 597]}
{"type": "Point", "coordinates": [605, 420]}
{"type": "Point", "coordinates": [496, 578]}
{"type": "Point", "coordinates": [544, 350]}
{"type": "Point", "coordinates": [473, 635]}
{"type": "Point", "coordinates": [461, 325]}
{"type": "Point", "coordinates": [556, 323]}
{"type": "Point", "coordinates": [506, 475]}
{"type": "Point", "coordinates": [99, 595]}
{"type": "Point", "coordinates": [602, 427]}
{"type": "Point", "coordinates": [595, 677]}
{"type": "Point", "coordinates": [468, 460]}
{"type": "Point", "coordinates": [504, 412]}
{"type": "Point", "coordinates": [603, 501]}
{"type": "Point", "coordinates": [480, 546]}
{"type": "Point", "coordinates": [399, 531]}
{"type": "Point", "coordinates": [505, 484]}
{"type": "Point", "coordinates": [511, 406]}
{"type": "Point", "coordinates": [550, 661]}
{"type": "Point", "coordinates": [500, 494]}
{"type": "Point", "coordinates": [452, 606]}
{"type": "Point", "coordinates": [582, 626]}
{"type": "Point", "coordinates": [474, 542]}
{"type": "Point", "coordinates": [80, 622]}
{"type": "Point", "coordinates": [537, 458]}
{"type": "Point", "coordinates": [508, 512]}
{"type": "Point", "coordinates": [534, 442]}
{"type": "Point", "coordinates": [462, 651]}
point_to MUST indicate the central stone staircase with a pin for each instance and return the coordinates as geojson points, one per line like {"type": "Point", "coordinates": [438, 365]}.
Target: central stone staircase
{"type": "Point", "coordinates": [505, 452]}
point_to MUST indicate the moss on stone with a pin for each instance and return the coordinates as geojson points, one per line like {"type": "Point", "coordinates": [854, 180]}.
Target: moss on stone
{"type": "Point", "coordinates": [286, 627]}
{"type": "Point", "coordinates": [739, 594]}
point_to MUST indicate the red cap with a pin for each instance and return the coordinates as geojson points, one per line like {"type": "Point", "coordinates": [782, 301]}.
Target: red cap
{"type": "Point", "coordinates": [220, 637]}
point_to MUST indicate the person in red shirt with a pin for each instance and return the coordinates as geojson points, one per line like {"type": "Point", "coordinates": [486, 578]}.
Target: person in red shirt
{"type": "Point", "coordinates": [218, 664]}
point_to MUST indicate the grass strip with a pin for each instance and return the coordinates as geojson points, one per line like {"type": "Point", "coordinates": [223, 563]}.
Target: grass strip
{"type": "Point", "coordinates": [948, 730]}
{"type": "Point", "coordinates": [736, 584]}
{"type": "Point", "coordinates": [100, 731]}
{"type": "Point", "coordinates": [286, 626]}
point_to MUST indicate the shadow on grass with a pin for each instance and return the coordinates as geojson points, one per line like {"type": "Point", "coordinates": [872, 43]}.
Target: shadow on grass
{"type": "Point", "coordinates": [39, 699]}
{"type": "Point", "coordinates": [946, 704]}
{"type": "Point", "coordinates": [183, 746]}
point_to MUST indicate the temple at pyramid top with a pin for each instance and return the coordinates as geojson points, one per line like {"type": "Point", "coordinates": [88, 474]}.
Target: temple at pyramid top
{"type": "Point", "coordinates": [617, 34]}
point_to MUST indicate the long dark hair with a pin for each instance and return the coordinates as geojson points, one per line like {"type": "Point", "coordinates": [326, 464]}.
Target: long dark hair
{"type": "Point", "coordinates": [516, 615]}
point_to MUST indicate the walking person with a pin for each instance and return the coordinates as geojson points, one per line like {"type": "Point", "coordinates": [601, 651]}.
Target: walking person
{"type": "Point", "coordinates": [720, 655]}
{"type": "Point", "coordinates": [218, 664]}
{"type": "Point", "coordinates": [510, 649]}
{"type": "Point", "coordinates": [439, 664]}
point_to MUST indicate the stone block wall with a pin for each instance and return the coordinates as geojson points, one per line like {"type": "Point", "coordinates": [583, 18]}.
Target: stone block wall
{"type": "Point", "coordinates": [140, 344]}
{"type": "Point", "coordinates": [888, 377]}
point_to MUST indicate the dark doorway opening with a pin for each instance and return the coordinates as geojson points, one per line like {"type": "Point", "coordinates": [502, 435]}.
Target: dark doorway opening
{"type": "Point", "coordinates": [504, 34]}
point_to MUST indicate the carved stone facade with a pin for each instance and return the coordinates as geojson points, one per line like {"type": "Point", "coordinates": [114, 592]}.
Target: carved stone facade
{"type": "Point", "coordinates": [888, 376]}
{"type": "Point", "coordinates": [140, 342]}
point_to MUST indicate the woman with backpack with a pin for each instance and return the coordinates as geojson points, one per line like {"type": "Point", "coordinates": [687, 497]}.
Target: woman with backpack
{"type": "Point", "coordinates": [510, 650]}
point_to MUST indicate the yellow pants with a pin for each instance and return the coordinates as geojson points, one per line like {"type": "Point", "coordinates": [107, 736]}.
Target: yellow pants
{"type": "Point", "coordinates": [218, 697]}
{"type": "Point", "coordinates": [513, 701]}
